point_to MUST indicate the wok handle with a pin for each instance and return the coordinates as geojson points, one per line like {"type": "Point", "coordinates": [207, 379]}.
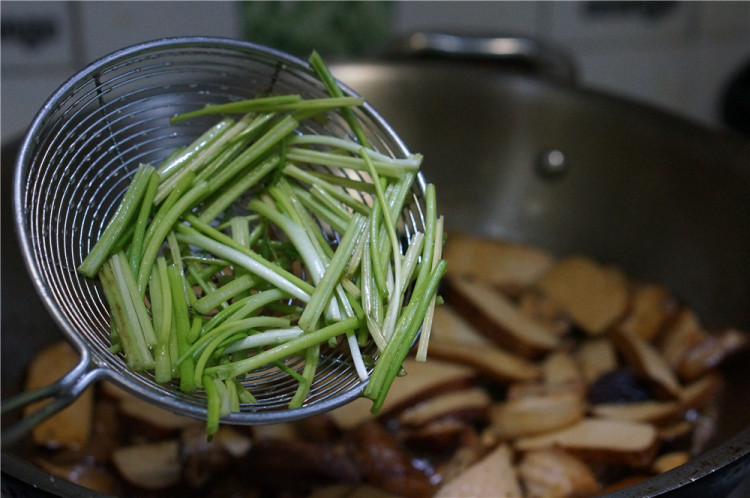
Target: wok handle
{"type": "Point", "coordinates": [544, 59]}
{"type": "Point", "coordinates": [62, 393]}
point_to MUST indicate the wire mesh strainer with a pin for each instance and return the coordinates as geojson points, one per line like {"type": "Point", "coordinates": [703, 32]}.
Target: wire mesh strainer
{"type": "Point", "coordinates": [75, 163]}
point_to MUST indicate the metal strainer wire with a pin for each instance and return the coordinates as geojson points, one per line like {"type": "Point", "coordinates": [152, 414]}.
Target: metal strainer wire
{"type": "Point", "coordinates": [75, 163]}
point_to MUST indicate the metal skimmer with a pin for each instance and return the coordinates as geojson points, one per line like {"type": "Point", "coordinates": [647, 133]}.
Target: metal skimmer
{"type": "Point", "coordinates": [76, 161]}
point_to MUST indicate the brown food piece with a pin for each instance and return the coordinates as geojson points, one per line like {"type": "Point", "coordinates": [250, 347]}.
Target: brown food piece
{"type": "Point", "coordinates": [593, 295]}
{"type": "Point", "coordinates": [540, 307]}
{"type": "Point", "coordinates": [648, 363]}
{"type": "Point", "coordinates": [448, 326]}
{"type": "Point", "coordinates": [84, 473]}
{"type": "Point", "coordinates": [423, 379]}
{"type": "Point", "coordinates": [617, 442]}
{"type": "Point", "coordinates": [500, 263]}
{"type": "Point", "coordinates": [669, 461]}
{"type": "Point", "coordinates": [710, 352]}
{"type": "Point", "coordinates": [70, 427]}
{"type": "Point", "coordinates": [386, 464]}
{"type": "Point", "coordinates": [596, 356]}
{"type": "Point", "coordinates": [537, 413]}
{"type": "Point", "coordinates": [493, 475]}
{"type": "Point", "coordinates": [153, 420]}
{"type": "Point", "coordinates": [650, 411]}
{"type": "Point", "coordinates": [552, 472]}
{"type": "Point", "coordinates": [683, 332]}
{"type": "Point", "coordinates": [491, 362]}
{"type": "Point", "coordinates": [351, 491]}
{"type": "Point", "coordinates": [455, 340]}
{"type": "Point", "coordinates": [497, 317]}
{"type": "Point", "coordinates": [297, 466]}
{"type": "Point", "coordinates": [466, 404]}
{"type": "Point", "coordinates": [619, 386]}
{"type": "Point", "coordinates": [151, 466]}
{"type": "Point", "coordinates": [439, 437]}
{"type": "Point", "coordinates": [652, 306]}
{"type": "Point", "coordinates": [559, 367]}
{"type": "Point", "coordinates": [203, 459]}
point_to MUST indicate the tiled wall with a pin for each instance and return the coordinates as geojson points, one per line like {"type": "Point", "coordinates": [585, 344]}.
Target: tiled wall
{"type": "Point", "coordinates": [675, 54]}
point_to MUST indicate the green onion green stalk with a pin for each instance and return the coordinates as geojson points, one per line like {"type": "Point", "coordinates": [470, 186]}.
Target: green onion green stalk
{"type": "Point", "coordinates": [260, 242]}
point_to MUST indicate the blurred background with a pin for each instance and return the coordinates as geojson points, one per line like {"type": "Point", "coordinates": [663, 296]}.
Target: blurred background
{"type": "Point", "coordinates": [681, 55]}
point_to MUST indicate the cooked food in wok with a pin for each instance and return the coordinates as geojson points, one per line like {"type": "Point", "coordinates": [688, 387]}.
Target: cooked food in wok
{"type": "Point", "coordinates": [547, 376]}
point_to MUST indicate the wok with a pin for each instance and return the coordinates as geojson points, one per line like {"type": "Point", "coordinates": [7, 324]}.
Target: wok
{"type": "Point", "coordinates": [521, 151]}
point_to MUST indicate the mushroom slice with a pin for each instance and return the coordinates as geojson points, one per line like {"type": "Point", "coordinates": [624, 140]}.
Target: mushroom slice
{"type": "Point", "coordinates": [464, 404]}
{"type": "Point", "coordinates": [439, 436]}
{"type": "Point", "coordinates": [648, 363]}
{"type": "Point", "coordinates": [553, 472]}
{"type": "Point", "coordinates": [71, 427]}
{"type": "Point", "coordinates": [493, 475]}
{"type": "Point", "coordinates": [593, 295]}
{"type": "Point", "coordinates": [150, 466]}
{"type": "Point", "coordinates": [499, 318]}
{"type": "Point", "coordinates": [533, 414]}
{"type": "Point", "coordinates": [501, 263]}
{"type": "Point", "coordinates": [617, 442]}
{"type": "Point", "coordinates": [385, 463]}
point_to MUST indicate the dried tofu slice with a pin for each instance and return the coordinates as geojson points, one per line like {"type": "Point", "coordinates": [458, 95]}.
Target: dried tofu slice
{"type": "Point", "coordinates": [652, 306]}
{"type": "Point", "coordinates": [648, 363]}
{"type": "Point", "coordinates": [596, 356]}
{"type": "Point", "coordinates": [595, 296]}
{"type": "Point", "coordinates": [500, 263]}
{"type": "Point", "coordinates": [454, 339]}
{"type": "Point", "coordinates": [618, 442]}
{"type": "Point", "coordinates": [710, 352]}
{"type": "Point", "coordinates": [152, 466]}
{"type": "Point", "coordinates": [553, 472]}
{"type": "Point", "coordinates": [449, 327]}
{"type": "Point", "coordinates": [423, 379]}
{"type": "Point", "coordinates": [71, 427]}
{"type": "Point", "coordinates": [531, 414]}
{"type": "Point", "coordinates": [494, 475]}
{"type": "Point", "coordinates": [499, 318]}
{"type": "Point", "coordinates": [464, 404]}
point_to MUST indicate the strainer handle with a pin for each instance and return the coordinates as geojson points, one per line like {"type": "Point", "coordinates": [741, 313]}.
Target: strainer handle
{"type": "Point", "coordinates": [62, 393]}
